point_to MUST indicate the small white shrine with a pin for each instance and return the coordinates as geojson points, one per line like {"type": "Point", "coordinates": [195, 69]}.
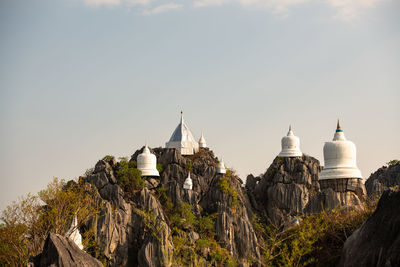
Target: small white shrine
{"type": "Point", "coordinates": [340, 158]}
{"type": "Point", "coordinates": [202, 141]}
{"type": "Point", "coordinates": [74, 234]}
{"type": "Point", "coordinates": [147, 163]}
{"type": "Point", "coordinates": [221, 167]}
{"type": "Point", "coordinates": [188, 185]}
{"type": "Point", "coordinates": [290, 145]}
{"type": "Point", "coordinates": [183, 140]}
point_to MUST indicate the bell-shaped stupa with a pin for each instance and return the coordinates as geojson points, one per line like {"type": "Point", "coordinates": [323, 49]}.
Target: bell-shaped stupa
{"type": "Point", "coordinates": [147, 163]}
{"type": "Point", "coordinates": [188, 184]}
{"type": "Point", "coordinates": [339, 158]}
{"type": "Point", "coordinates": [221, 167]}
{"type": "Point", "coordinates": [183, 140]}
{"type": "Point", "coordinates": [290, 145]}
{"type": "Point", "coordinates": [74, 234]}
{"type": "Point", "coordinates": [202, 141]}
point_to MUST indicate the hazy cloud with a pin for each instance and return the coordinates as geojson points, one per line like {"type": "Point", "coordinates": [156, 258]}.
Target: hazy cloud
{"type": "Point", "coordinates": [348, 10]}
{"type": "Point", "coordinates": [345, 10]}
{"type": "Point", "coordinates": [163, 8]}
{"type": "Point", "coordinates": [102, 2]}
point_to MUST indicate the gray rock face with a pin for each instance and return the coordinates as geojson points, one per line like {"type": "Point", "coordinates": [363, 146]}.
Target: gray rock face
{"type": "Point", "coordinates": [61, 251]}
{"type": "Point", "coordinates": [233, 225]}
{"type": "Point", "coordinates": [286, 188]}
{"type": "Point", "coordinates": [339, 193]}
{"type": "Point", "coordinates": [385, 178]}
{"type": "Point", "coordinates": [124, 231]}
{"type": "Point", "coordinates": [377, 241]}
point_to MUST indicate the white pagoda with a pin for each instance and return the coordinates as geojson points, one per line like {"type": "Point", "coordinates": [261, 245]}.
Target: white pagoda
{"type": "Point", "coordinates": [188, 185]}
{"type": "Point", "coordinates": [182, 139]}
{"type": "Point", "coordinates": [202, 141]}
{"type": "Point", "coordinates": [147, 163]}
{"type": "Point", "coordinates": [290, 145]}
{"type": "Point", "coordinates": [340, 158]}
{"type": "Point", "coordinates": [221, 167]}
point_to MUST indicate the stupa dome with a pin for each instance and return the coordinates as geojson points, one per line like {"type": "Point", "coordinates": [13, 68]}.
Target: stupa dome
{"type": "Point", "coordinates": [188, 183]}
{"type": "Point", "coordinates": [147, 163]}
{"type": "Point", "coordinates": [202, 141]}
{"type": "Point", "coordinates": [340, 158]}
{"type": "Point", "coordinates": [290, 145]}
{"type": "Point", "coordinates": [221, 167]}
{"type": "Point", "coordinates": [183, 140]}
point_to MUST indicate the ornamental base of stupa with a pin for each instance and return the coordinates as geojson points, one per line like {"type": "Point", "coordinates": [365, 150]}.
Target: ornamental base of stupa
{"type": "Point", "coordinates": [343, 193]}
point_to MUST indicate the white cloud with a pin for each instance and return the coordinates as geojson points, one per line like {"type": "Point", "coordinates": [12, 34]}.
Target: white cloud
{"type": "Point", "coordinates": [345, 10]}
{"type": "Point", "coordinates": [163, 8]}
{"type": "Point", "coordinates": [102, 2]}
{"type": "Point", "coordinates": [349, 10]}
{"type": "Point", "coordinates": [204, 3]}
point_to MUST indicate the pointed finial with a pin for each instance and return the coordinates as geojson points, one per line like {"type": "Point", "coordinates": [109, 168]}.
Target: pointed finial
{"type": "Point", "coordinates": [290, 127]}
{"type": "Point", "coordinates": [181, 116]}
{"type": "Point", "coordinates": [338, 128]}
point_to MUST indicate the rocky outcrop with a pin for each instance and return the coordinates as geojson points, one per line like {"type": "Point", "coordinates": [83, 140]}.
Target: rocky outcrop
{"type": "Point", "coordinates": [133, 230]}
{"type": "Point", "coordinates": [377, 241]}
{"type": "Point", "coordinates": [233, 225]}
{"type": "Point", "coordinates": [122, 228]}
{"type": "Point", "coordinates": [61, 251]}
{"type": "Point", "coordinates": [285, 189]}
{"type": "Point", "coordinates": [345, 193]}
{"type": "Point", "coordinates": [385, 178]}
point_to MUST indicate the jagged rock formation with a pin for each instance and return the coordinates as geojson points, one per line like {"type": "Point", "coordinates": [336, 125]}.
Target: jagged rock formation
{"type": "Point", "coordinates": [377, 241]}
{"type": "Point", "coordinates": [61, 251]}
{"type": "Point", "coordinates": [339, 193]}
{"type": "Point", "coordinates": [385, 178]}
{"type": "Point", "coordinates": [285, 189]}
{"type": "Point", "coordinates": [134, 230]}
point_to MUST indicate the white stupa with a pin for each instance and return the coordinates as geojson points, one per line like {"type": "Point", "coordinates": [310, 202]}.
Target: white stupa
{"type": "Point", "coordinates": [73, 233]}
{"type": "Point", "coordinates": [221, 167]}
{"type": "Point", "coordinates": [147, 163]}
{"type": "Point", "coordinates": [202, 141]}
{"type": "Point", "coordinates": [188, 185]}
{"type": "Point", "coordinates": [290, 145]}
{"type": "Point", "coordinates": [183, 140]}
{"type": "Point", "coordinates": [340, 158]}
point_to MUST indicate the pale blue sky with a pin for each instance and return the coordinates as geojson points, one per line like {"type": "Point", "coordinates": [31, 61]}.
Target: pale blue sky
{"type": "Point", "coordinates": [80, 79]}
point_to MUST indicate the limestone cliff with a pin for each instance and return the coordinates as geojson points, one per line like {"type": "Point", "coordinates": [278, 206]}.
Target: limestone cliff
{"type": "Point", "coordinates": [385, 178]}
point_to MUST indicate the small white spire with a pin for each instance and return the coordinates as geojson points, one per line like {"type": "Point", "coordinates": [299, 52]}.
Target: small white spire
{"type": "Point", "coordinates": [73, 233]}
{"type": "Point", "coordinates": [221, 167]}
{"type": "Point", "coordinates": [188, 184]}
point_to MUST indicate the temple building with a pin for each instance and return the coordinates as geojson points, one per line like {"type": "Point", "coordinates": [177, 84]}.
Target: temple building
{"type": "Point", "coordinates": [339, 158]}
{"type": "Point", "coordinates": [147, 163]}
{"type": "Point", "coordinates": [182, 139]}
{"type": "Point", "coordinates": [221, 167]}
{"type": "Point", "coordinates": [188, 185]}
{"type": "Point", "coordinates": [74, 234]}
{"type": "Point", "coordinates": [202, 141]}
{"type": "Point", "coordinates": [290, 145]}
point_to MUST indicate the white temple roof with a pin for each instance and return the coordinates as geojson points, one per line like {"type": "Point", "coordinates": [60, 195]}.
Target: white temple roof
{"type": "Point", "coordinates": [183, 139]}
{"type": "Point", "coordinates": [74, 234]}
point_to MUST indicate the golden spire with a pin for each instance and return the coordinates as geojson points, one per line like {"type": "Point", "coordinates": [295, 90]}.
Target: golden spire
{"type": "Point", "coordinates": [338, 126]}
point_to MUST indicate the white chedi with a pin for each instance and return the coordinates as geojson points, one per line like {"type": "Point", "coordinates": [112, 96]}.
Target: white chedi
{"type": "Point", "coordinates": [290, 145]}
{"type": "Point", "coordinates": [74, 234]}
{"type": "Point", "coordinates": [340, 158]}
{"type": "Point", "coordinates": [202, 141]}
{"type": "Point", "coordinates": [221, 167]}
{"type": "Point", "coordinates": [183, 140]}
{"type": "Point", "coordinates": [188, 184]}
{"type": "Point", "coordinates": [147, 163]}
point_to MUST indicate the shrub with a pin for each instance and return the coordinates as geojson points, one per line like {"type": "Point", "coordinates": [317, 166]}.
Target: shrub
{"type": "Point", "coordinates": [393, 162]}
{"type": "Point", "coordinates": [160, 167]}
{"type": "Point", "coordinates": [129, 177]}
{"type": "Point", "coordinates": [226, 187]}
{"type": "Point", "coordinates": [183, 216]}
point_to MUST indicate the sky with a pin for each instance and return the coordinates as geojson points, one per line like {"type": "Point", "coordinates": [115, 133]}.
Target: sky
{"type": "Point", "coordinates": [81, 79]}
